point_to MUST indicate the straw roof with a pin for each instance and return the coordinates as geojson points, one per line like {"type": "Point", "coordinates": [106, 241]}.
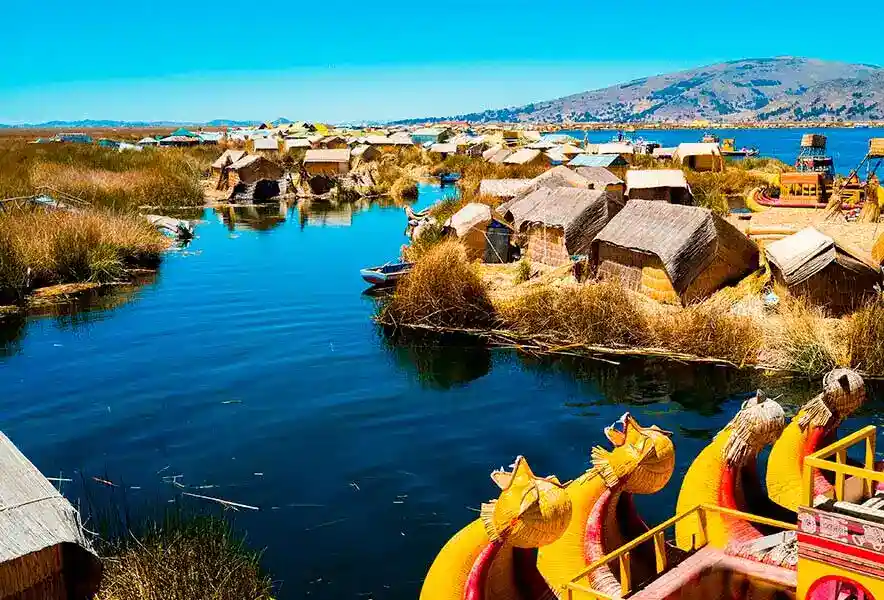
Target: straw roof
{"type": "Point", "coordinates": [228, 157]}
{"type": "Point", "coordinates": [297, 143]}
{"type": "Point", "coordinates": [597, 160]}
{"type": "Point", "coordinates": [697, 149]}
{"type": "Point", "coordinates": [598, 176]}
{"type": "Point", "coordinates": [33, 514]}
{"type": "Point", "coordinates": [245, 161]}
{"type": "Point", "coordinates": [556, 156]}
{"type": "Point", "coordinates": [560, 176]}
{"type": "Point", "coordinates": [500, 156]}
{"type": "Point", "coordinates": [337, 155]}
{"type": "Point", "coordinates": [581, 213]}
{"type": "Point", "coordinates": [802, 255]}
{"type": "Point", "coordinates": [472, 215]}
{"type": "Point", "coordinates": [663, 152]}
{"type": "Point", "coordinates": [444, 148]}
{"type": "Point", "coordinates": [266, 143]}
{"type": "Point", "coordinates": [639, 179]}
{"type": "Point", "coordinates": [615, 148]}
{"type": "Point", "coordinates": [488, 153]}
{"type": "Point", "coordinates": [503, 188]}
{"type": "Point", "coordinates": [522, 156]}
{"type": "Point", "coordinates": [686, 239]}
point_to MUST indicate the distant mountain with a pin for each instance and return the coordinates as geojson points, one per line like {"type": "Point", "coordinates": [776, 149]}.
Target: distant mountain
{"type": "Point", "coordinates": [759, 89]}
{"type": "Point", "coordinates": [106, 124]}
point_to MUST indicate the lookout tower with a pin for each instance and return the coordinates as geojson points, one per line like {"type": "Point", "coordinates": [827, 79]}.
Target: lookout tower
{"type": "Point", "coordinates": [812, 157]}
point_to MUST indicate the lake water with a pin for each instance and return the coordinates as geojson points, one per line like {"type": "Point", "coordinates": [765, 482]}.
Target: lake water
{"type": "Point", "coordinates": [250, 364]}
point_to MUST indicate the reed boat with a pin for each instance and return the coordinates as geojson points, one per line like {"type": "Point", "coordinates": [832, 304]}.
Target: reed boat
{"type": "Point", "coordinates": [385, 275]}
{"type": "Point", "coordinates": [728, 148]}
{"type": "Point", "coordinates": [729, 541]}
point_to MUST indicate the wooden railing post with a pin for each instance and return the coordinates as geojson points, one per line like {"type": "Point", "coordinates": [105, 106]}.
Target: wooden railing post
{"type": "Point", "coordinates": [840, 458]}
{"type": "Point", "coordinates": [868, 484]}
{"type": "Point", "coordinates": [660, 551]}
{"type": "Point", "coordinates": [701, 539]}
{"type": "Point", "coordinates": [808, 483]}
{"type": "Point", "coordinates": [625, 575]}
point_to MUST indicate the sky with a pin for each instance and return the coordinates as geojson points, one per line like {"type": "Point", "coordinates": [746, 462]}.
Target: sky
{"type": "Point", "coordinates": [387, 59]}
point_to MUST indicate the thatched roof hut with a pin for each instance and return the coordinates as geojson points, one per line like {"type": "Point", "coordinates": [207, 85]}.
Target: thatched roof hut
{"type": "Point", "coordinates": [364, 152]}
{"type": "Point", "coordinates": [327, 162]}
{"type": "Point", "coordinates": [829, 273]}
{"type": "Point", "coordinates": [526, 156]}
{"type": "Point", "coordinates": [43, 551]}
{"type": "Point", "coordinates": [498, 156]}
{"type": "Point", "coordinates": [664, 185]}
{"type": "Point", "coordinates": [561, 222]}
{"type": "Point", "coordinates": [699, 156]}
{"type": "Point", "coordinates": [252, 167]}
{"type": "Point", "coordinates": [503, 188]}
{"type": "Point", "coordinates": [227, 158]}
{"type": "Point", "coordinates": [469, 224]}
{"type": "Point", "coordinates": [672, 253]}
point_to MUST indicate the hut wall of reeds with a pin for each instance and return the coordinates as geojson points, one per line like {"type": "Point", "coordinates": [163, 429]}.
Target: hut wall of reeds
{"type": "Point", "coordinates": [659, 185]}
{"type": "Point", "coordinates": [251, 168]}
{"type": "Point", "coordinates": [699, 156]}
{"type": "Point", "coordinates": [44, 554]}
{"type": "Point", "coordinates": [561, 222]}
{"type": "Point", "coordinates": [672, 253]}
{"type": "Point", "coordinates": [470, 224]}
{"type": "Point", "coordinates": [327, 162]}
{"type": "Point", "coordinates": [826, 272]}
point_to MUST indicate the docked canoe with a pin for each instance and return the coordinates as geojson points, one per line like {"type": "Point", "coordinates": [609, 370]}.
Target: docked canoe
{"type": "Point", "coordinates": [385, 275]}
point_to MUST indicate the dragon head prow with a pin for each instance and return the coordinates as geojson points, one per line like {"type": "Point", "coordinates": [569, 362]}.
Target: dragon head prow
{"type": "Point", "coordinates": [843, 392]}
{"type": "Point", "coordinates": [759, 422]}
{"type": "Point", "coordinates": [643, 458]}
{"type": "Point", "coordinates": [531, 511]}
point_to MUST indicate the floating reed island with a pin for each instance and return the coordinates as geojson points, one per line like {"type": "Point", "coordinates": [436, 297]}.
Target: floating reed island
{"type": "Point", "coordinates": [653, 254]}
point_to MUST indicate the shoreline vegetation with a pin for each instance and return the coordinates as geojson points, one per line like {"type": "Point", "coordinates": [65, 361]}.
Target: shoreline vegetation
{"type": "Point", "coordinates": [552, 313]}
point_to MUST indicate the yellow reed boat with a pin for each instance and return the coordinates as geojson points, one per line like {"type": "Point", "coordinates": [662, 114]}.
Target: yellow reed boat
{"type": "Point", "coordinates": [728, 541]}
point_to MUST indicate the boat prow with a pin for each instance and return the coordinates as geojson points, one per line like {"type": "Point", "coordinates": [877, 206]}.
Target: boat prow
{"type": "Point", "coordinates": [385, 275]}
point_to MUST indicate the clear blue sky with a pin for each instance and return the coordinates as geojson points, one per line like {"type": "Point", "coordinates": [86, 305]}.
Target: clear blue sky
{"type": "Point", "coordinates": [382, 59]}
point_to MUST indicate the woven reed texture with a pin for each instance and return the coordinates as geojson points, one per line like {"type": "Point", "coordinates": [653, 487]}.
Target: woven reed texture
{"type": "Point", "coordinates": [503, 188]}
{"type": "Point", "coordinates": [530, 512]}
{"type": "Point", "coordinates": [759, 422]}
{"type": "Point", "coordinates": [813, 140]}
{"type": "Point", "coordinates": [33, 514]}
{"type": "Point", "coordinates": [876, 147]}
{"type": "Point", "coordinates": [843, 392]}
{"type": "Point", "coordinates": [599, 177]}
{"type": "Point", "coordinates": [686, 239]}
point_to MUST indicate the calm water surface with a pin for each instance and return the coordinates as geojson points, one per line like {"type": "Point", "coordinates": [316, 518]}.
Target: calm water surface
{"type": "Point", "coordinates": [250, 364]}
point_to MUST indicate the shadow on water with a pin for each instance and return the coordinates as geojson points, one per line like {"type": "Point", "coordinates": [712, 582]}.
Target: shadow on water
{"type": "Point", "coordinates": [257, 217]}
{"type": "Point", "coordinates": [74, 313]}
{"type": "Point", "coordinates": [440, 363]}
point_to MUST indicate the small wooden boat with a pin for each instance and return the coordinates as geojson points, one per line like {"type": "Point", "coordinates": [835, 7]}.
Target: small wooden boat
{"type": "Point", "coordinates": [385, 275]}
{"type": "Point", "coordinates": [448, 177]}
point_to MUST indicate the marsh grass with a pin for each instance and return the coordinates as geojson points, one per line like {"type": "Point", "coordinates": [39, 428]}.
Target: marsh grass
{"type": "Point", "coordinates": [595, 314]}
{"type": "Point", "coordinates": [712, 189]}
{"type": "Point", "coordinates": [801, 339]}
{"type": "Point", "coordinates": [443, 290]}
{"type": "Point", "coordinates": [182, 558]}
{"type": "Point", "coordinates": [865, 338]}
{"type": "Point", "coordinates": [710, 329]}
{"type": "Point", "coordinates": [39, 248]}
{"type": "Point", "coordinates": [105, 177]}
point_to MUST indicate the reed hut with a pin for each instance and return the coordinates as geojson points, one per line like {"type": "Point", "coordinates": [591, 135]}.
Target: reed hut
{"type": "Point", "coordinates": [672, 253]}
{"type": "Point", "coordinates": [296, 143]}
{"type": "Point", "coordinates": [823, 270]}
{"type": "Point", "coordinates": [327, 162]}
{"type": "Point", "coordinates": [526, 156]}
{"type": "Point", "coordinates": [621, 149]}
{"type": "Point", "coordinates": [333, 142]}
{"type": "Point", "coordinates": [561, 222]}
{"type": "Point", "coordinates": [268, 146]}
{"type": "Point", "coordinates": [602, 179]}
{"type": "Point", "coordinates": [699, 156]}
{"type": "Point", "coordinates": [251, 168]}
{"type": "Point", "coordinates": [227, 158]}
{"type": "Point", "coordinates": [503, 188]}
{"type": "Point", "coordinates": [497, 155]}
{"type": "Point", "coordinates": [615, 163]}
{"type": "Point", "coordinates": [470, 224]}
{"type": "Point", "coordinates": [365, 153]}
{"type": "Point", "coordinates": [443, 150]}
{"type": "Point", "coordinates": [661, 185]}
{"type": "Point", "coordinates": [44, 554]}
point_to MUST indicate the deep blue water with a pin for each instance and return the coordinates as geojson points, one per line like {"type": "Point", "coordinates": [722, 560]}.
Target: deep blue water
{"type": "Point", "coordinates": [250, 364]}
{"type": "Point", "coordinates": [846, 146]}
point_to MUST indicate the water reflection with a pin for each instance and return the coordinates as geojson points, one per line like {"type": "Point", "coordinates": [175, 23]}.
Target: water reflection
{"type": "Point", "coordinates": [256, 217]}
{"type": "Point", "coordinates": [12, 330]}
{"type": "Point", "coordinates": [439, 363]}
{"type": "Point", "coordinates": [327, 214]}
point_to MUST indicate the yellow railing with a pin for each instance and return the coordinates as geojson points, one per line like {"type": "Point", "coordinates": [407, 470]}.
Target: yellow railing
{"type": "Point", "coordinates": [820, 460]}
{"type": "Point", "coordinates": [657, 534]}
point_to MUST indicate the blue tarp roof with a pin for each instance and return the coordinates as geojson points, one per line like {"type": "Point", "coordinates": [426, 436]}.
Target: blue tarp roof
{"type": "Point", "coordinates": [597, 160]}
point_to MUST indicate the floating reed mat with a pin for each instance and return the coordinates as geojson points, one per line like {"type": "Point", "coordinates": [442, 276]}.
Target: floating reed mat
{"type": "Point", "coordinates": [539, 345]}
